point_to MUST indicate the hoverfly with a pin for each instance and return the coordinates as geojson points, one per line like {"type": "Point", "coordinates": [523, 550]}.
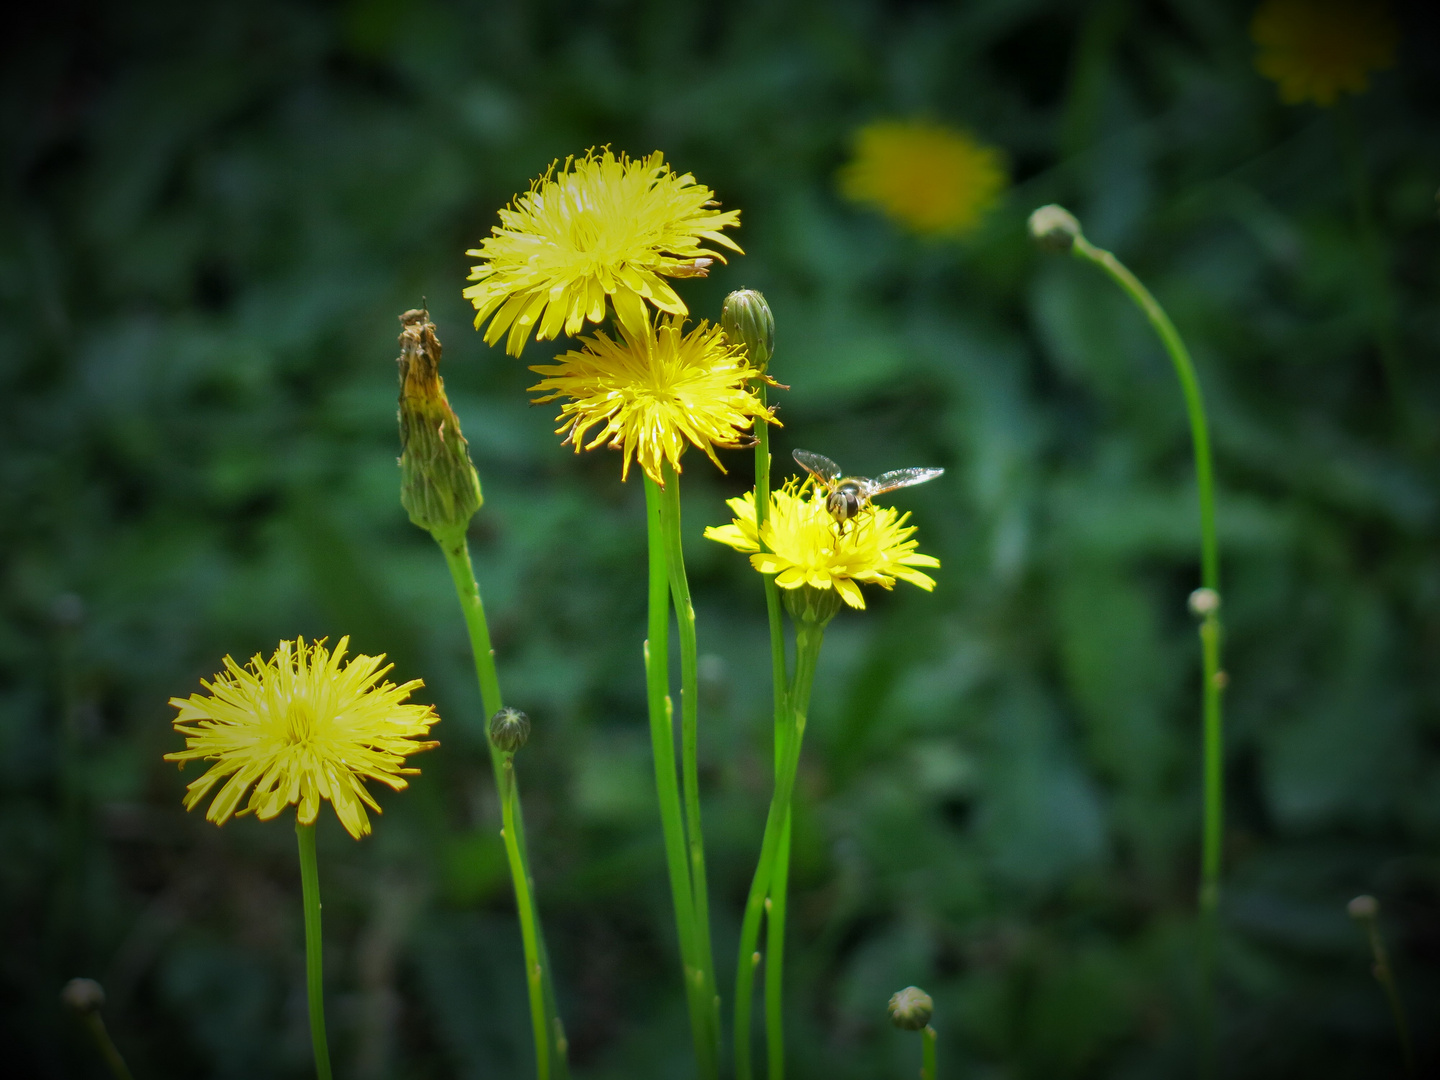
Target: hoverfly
{"type": "Point", "coordinates": [848, 495]}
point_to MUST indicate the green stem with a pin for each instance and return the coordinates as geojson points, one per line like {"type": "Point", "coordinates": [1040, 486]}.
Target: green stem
{"type": "Point", "coordinates": [927, 1069]}
{"type": "Point", "coordinates": [1385, 976]}
{"type": "Point", "coordinates": [549, 1032]}
{"type": "Point", "coordinates": [667, 786]}
{"type": "Point", "coordinates": [314, 967]}
{"type": "Point", "coordinates": [113, 1061]}
{"type": "Point", "coordinates": [775, 952]}
{"type": "Point", "coordinates": [690, 751]}
{"type": "Point", "coordinates": [789, 737]}
{"type": "Point", "coordinates": [1211, 631]}
{"type": "Point", "coordinates": [779, 677]}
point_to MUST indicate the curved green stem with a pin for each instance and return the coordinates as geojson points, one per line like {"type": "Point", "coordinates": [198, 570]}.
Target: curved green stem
{"type": "Point", "coordinates": [1211, 631]}
{"type": "Point", "coordinates": [927, 1068]}
{"type": "Point", "coordinates": [667, 786]}
{"type": "Point", "coordinates": [1385, 976]}
{"type": "Point", "coordinates": [689, 754]}
{"type": "Point", "coordinates": [547, 1028]}
{"type": "Point", "coordinates": [314, 967]}
{"type": "Point", "coordinates": [789, 737]}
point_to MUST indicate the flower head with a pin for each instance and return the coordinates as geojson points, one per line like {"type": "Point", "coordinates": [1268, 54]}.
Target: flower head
{"type": "Point", "coordinates": [929, 177]}
{"type": "Point", "coordinates": [1316, 49]}
{"type": "Point", "coordinates": [301, 726]}
{"type": "Point", "coordinates": [602, 226]}
{"type": "Point", "coordinates": [652, 393]}
{"type": "Point", "coordinates": [803, 544]}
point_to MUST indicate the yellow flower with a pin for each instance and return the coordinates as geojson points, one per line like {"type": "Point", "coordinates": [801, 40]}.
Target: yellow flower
{"type": "Point", "coordinates": [1315, 49]}
{"type": "Point", "coordinates": [652, 393]}
{"type": "Point", "coordinates": [929, 177]}
{"type": "Point", "coordinates": [301, 727]}
{"type": "Point", "coordinates": [600, 226]}
{"type": "Point", "coordinates": [806, 548]}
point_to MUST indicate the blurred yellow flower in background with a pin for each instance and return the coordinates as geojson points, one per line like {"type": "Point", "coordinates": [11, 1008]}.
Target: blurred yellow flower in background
{"type": "Point", "coordinates": [301, 726]}
{"type": "Point", "coordinates": [654, 392]}
{"type": "Point", "coordinates": [1317, 49]}
{"type": "Point", "coordinates": [805, 546]}
{"type": "Point", "coordinates": [931, 178]}
{"type": "Point", "coordinates": [602, 226]}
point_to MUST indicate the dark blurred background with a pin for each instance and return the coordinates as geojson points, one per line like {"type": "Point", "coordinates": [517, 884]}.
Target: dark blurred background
{"type": "Point", "coordinates": [213, 214]}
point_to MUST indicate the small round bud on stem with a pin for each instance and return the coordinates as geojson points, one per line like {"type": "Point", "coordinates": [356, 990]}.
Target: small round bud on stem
{"type": "Point", "coordinates": [509, 729]}
{"type": "Point", "coordinates": [911, 1009]}
{"type": "Point", "coordinates": [747, 320]}
{"type": "Point", "coordinates": [1363, 907]}
{"type": "Point", "coordinates": [1204, 602]}
{"type": "Point", "coordinates": [84, 996]}
{"type": "Point", "coordinates": [1054, 228]}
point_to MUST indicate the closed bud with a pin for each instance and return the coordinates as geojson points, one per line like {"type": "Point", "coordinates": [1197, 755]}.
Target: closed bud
{"type": "Point", "coordinates": [1363, 907]}
{"type": "Point", "coordinates": [810, 605]}
{"type": "Point", "coordinates": [85, 996]}
{"type": "Point", "coordinates": [1204, 602]}
{"type": "Point", "coordinates": [1054, 227]}
{"type": "Point", "coordinates": [509, 730]}
{"type": "Point", "coordinates": [747, 320]}
{"type": "Point", "coordinates": [911, 1009]}
{"type": "Point", "coordinates": [439, 487]}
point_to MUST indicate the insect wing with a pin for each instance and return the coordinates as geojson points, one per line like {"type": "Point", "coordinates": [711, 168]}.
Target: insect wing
{"type": "Point", "coordinates": [818, 466]}
{"type": "Point", "coordinates": [900, 478]}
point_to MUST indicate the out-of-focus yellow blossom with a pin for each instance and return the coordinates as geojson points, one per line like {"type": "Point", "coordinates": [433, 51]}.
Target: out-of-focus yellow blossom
{"type": "Point", "coordinates": [302, 726]}
{"type": "Point", "coordinates": [1317, 49]}
{"type": "Point", "coordinates": [653, 393]}
{"type": "Point", "coordinates": [601, 226]}
{"type": "Point", "coordinates": [931, 178]}
{"type": "Point", "coordinates": [804, 545]}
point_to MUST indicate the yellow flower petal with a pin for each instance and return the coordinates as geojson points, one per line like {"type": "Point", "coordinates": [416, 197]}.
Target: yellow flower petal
{"type": "Point", "coordinates": [300, 727]}
{"type": "Point", "coordinates": [600, 225]}
{"type": "Point", "coordinates": [1317, 49]}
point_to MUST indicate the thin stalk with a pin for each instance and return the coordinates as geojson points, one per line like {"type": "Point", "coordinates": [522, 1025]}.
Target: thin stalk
{"type": "Point", "coordinates": [1385, 976]}
{"type": "Point", "coordinates": [927, 1069]}
{"type": "Point", "coordinates": [547, 1028]}
{"type": "Point", "coordinates": [789, 738]}
{"type": "Point", "coordinates": [667, 785]}
{"type": "Point", "coordinates": [779, 677]}
{"type": "Point", "coordinates": [314, 967]}
{"type": "Point", "coordinates": [1211, 631]}
{"type": "Point", "coordinates": [775, 952]}
{"type": "Point", "coordinates": [103, 1043]}
{"type": "Point", "coordinates": [690, 750]}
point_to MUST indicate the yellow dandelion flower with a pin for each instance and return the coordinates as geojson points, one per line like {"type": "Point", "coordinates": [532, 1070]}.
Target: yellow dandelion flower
{"type": "Point", "coordinates": [602, 226]}
{"type": "Point", "coordinates": [805, 546]}
{"type": "Point", "coordinates": [652, 394]}
{"type": "Point", "coordinates": [1317, 49]}
{"type": "Point", "coordinates": [301, 726]}
{"type": "Point", "coordinates": [929, 177]}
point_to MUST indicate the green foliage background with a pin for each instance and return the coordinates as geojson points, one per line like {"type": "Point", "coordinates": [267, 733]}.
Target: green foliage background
{"type": "Point", "coordinates": [213, 213]}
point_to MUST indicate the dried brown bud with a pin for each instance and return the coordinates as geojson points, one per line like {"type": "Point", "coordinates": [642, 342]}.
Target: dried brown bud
{"type": "Point", "coordinates": [85, 996]}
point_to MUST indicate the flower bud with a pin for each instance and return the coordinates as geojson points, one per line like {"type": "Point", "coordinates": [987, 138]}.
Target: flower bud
{"type": "Point", "coordinates": [85, 996]}
{"type": "Point", "coordinates": [509, 729]}
{"type": "Point", "coordinates": [1204, 602]}
{"type": "Point", "coordinates": [911, 1009]}
{"type": "Point", "coordinates": [747, 320]}
{"type": "Point", "coordinates": [1363, 908]}
{"type": "Point", "coordinates": [438, 484]}
{"type": "Point", "coordinates": [808, 604]}
{"type": "Point", "coordinates": [1055, 228]}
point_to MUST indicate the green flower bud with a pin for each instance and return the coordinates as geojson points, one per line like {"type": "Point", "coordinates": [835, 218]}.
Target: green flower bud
{"type": "Point", "coordinates": [808, 604]}
{"type": "Point", "coordinates": [439, 487]}
{"type": "Point", "coordinates": [509, 729]}
{"type": "Point", "coordinates": [747, 320]}
{"type": "Point", "coordinates": [911, 1009]}
{"type": "Point", "coordinates": [84, 996]}
{"type": "Point", "coordinates": [1055, 228]}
